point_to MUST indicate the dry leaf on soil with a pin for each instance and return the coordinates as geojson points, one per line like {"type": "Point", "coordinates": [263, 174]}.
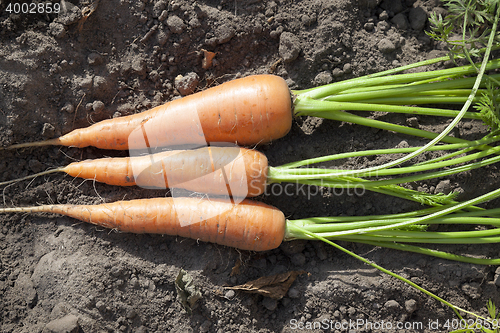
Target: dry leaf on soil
{"type": "Point", "coordinates": [187, 292]}
{"type": "Point", "coordinates": [274, 286]}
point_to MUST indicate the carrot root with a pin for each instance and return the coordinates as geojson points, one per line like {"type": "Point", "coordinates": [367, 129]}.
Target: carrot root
{"type": "Point", "coordinates": [248, 225]}
{"type": "Point", "coordinates": [248, 111]}
{"type": "Point", "coordinates": [223, 171]}
{"type": "Point", "coordinates": [50, 142]}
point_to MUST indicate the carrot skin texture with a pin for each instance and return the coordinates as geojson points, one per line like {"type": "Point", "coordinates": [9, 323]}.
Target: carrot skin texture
{"type": "Point", "coordinates": [249, 225]}
{"type": "Point", "coordinates": [205, 170]}
{"type": "Point", "coordinates": [247, 111]}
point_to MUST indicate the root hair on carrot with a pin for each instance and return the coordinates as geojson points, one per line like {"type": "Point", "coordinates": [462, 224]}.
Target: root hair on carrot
{"type": "Point", "coordinates": [97, 193]}
{"type": "Point", "coordinates": [69, 157]}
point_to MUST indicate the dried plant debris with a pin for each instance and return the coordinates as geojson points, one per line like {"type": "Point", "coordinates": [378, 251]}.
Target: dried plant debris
{"type": "Point", "coordinates": [86, 12]}
{"type": "Point", "coordinates": [236, 268]}
{"type": "Point", "coordinates": [274, 286]}
{"type": "Point", "coordinates": [187, 292]}
{"type": "Point", "coordinates": [208, 57]}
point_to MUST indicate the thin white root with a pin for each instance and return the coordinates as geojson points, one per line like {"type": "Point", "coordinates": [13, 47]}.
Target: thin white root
{"type": "Point", "coordinates": [43, 173]}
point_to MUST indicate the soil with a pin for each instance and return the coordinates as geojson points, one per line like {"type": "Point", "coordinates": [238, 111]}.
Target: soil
{"type": "Point", "coordinates": [63, 71]}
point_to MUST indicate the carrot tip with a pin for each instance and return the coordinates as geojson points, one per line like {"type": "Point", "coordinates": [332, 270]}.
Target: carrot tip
{"type": "Point", "coordinates": [50, 142]}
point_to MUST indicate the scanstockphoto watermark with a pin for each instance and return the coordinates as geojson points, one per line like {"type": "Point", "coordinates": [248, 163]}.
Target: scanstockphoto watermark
{"type": "Point", "coordinates": [437, 325]}
{"type": "Point", "coordinates": [355, 325]}
{"type": "Point", "coordinates": [309, 191]}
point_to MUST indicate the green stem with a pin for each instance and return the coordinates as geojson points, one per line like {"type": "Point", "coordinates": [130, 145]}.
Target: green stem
{"type": "Point", "coordinates": [359, 186]}
{"type": "Point", "coordinates": [434, 92]}
{"type": "Point", "coordinates": [328, 158]}
{"type": "Point", "coordinates": [288, 174]}
{"type": "Point", "coordinates": [419, 100]}
{"type": "Point", "coordinates": [316, 109]}
{"type": "Point", "coordinates": [429, 238]}
{"type": "Point", "coordinates": [444, 133]}
{"type": "Point", "coordinates": [494, 212]}
{"type": "Point", "coordinates": [455, 308]}
{"type": "Point", "coordinates": [432, 252]}
{"type": "Point", "coordinates": [353, 106]}
{"type": "Point", "coordinates": [332, 227]}
{"type": "Point", "coordinates": [446, 156]}
{"type": "Point", "coordinates": [334, 88]}
{"type": "Point", "coordinates": [315, 173]}
{"type": "Point", "coordinates": [414, 88]}
{"type": "Point", "coordinates": [435, 174]}
{"type": "Point", "coordinates": [422, 220]}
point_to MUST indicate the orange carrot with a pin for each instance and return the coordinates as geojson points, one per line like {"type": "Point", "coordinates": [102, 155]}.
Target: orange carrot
{"type": "Point", "coordinates": [249, 225]}
{"type": "Point", "coordinates": [248, 111]}
{"type": "Point", "coordinates": [236, 171]}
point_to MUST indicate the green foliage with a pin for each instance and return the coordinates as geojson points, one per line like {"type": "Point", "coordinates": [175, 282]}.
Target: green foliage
{"type": "Point", "coordinates": [488, 106]}
{"type": "Point", "coordinates": [424, 198]}
{"type": "Point", "coordinates": [492, 326]}
{"type": "Point", "coordinates": [471, 19]}
{"type": "Point", "coordinates": [494, 315]}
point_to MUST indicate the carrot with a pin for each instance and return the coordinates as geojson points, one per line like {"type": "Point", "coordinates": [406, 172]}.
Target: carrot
{"type": "Point", "coordinates": [249, 225]}
{"type": "Point", "coordinates": [258, 109]}
{"type": "Point", "coordinates": [236, 171]}
{"type": "Point", "coordinates": [247, 111]}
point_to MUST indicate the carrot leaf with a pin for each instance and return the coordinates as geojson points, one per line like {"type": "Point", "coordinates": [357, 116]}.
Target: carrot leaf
{"type": "Point", "coordinates": [488, 106]}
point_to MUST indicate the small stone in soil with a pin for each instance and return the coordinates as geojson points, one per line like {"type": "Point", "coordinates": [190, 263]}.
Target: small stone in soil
{"type": "Point", "coordinates": [383, 16]}
{"type": "Point", "coordinates": [369, 26]}
{"type": "Point", "coordinates": [97, 106]}
{"type": "Point", "coordinates": [323, 78]}
{"type": "Point", "coordinates": [413, 122]}
{"type": "Point", "coordinates": [386, 46]}
{"type": "Point", "coordinates": [68, 107]}
{"type": "Point", "coordinates": [224, 33]}
{"type": "Point", "coordinates": [497, 280]}
{"type": "Point", "coordinates": [187, 84]}
{"type": "Point", "coordinates": [392, 305]}
{"type": "Point", "coordinates": [57, 30]}
{"type": "Point", "coordinates": [443, 187]}
{"type": "Point", "coordinates": [411, 306]}
{"type": "Point", "coordinates": [229, 294]}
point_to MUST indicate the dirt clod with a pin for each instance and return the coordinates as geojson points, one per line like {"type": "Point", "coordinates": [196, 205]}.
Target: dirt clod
{"type": "Point", "coordinates": [176, 24]}
{"type": "Point", "coordinates": [386, 46]}
{"type": "Point", "coordinates": [443, 186]}
{"type": "Point", "coordinates": [400, 21]}
{"type": "Point", "coordinates": [418, 18]}
{"type": "Point", "coordinates": [67, 324]}
{"type": "Point", "coordinates": [289, 47]}
{"type": "Point", "coordinates": [187, 84]}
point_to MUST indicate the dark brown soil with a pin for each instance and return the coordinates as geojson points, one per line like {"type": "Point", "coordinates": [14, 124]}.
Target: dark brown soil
{"type": "Point", "coordinates": [61, 72]}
